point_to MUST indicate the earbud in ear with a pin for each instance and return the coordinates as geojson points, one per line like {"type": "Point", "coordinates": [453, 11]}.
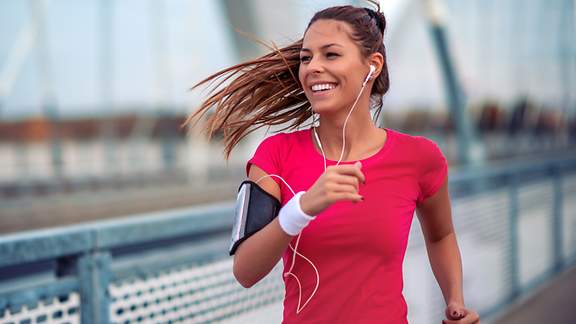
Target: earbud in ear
{"type": "Point", "coordinates": [372, 69]}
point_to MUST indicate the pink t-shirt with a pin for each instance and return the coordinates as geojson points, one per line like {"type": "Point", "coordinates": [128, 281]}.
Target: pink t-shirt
{"type": "Point", "coordinates": [359, 248]}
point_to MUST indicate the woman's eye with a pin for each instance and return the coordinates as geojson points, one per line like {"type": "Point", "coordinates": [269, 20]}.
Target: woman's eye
{"type": "Point", "coordinates": [304, 58]}
{"type": "Point", "coordinates": [332, 55]}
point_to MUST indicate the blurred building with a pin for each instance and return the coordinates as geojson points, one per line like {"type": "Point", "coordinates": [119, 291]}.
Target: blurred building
{"type": "Point", "coordinates": [99, 87]}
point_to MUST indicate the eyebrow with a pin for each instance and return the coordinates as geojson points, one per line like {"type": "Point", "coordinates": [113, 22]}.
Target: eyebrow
{"type": "Point", "coordinates": [323, 47]}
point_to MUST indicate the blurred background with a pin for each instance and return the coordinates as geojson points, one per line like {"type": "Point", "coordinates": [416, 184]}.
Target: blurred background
{"type": "Point", "coordinates": [93, 95]}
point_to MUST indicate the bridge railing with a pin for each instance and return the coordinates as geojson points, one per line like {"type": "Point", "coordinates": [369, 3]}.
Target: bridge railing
{"type": "Point", "coordinates": [172, 266]}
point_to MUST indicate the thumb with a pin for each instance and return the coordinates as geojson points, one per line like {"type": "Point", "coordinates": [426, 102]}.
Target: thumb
{"type": "Point", "coordinates": [358, 164]}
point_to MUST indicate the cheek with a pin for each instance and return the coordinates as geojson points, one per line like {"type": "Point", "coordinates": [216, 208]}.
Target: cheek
{"type": "Point", "coordinates": [301, 80]}
{"type": "Point", "coordinates": [301, 75]}
{"type": "Point", "coordinates": [353, 80]}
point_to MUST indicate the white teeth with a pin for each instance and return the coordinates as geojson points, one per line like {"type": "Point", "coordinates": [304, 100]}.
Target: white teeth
{"type": "Point", "coordinates": [323, 86]}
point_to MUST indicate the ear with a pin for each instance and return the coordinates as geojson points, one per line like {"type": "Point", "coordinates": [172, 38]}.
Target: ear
{"type": "Point", "coordinates": [377, 60]}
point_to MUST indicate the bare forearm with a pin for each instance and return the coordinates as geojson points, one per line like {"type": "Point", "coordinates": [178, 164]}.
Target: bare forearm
{"type": "Point", "coordinates": [258, 255]}
{"type": "Point", "coordinates": [446, 263]}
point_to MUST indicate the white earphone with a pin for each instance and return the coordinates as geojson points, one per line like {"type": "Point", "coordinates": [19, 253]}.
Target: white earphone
{"type": "Point", "coordinates": [372, 69]}
{"type": "Point", "coordinates": [294, 249]}
{"type": "Point", "coordinates": [368, 77]}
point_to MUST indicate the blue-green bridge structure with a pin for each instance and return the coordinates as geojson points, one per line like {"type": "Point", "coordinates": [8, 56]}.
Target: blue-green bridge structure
{"type": "Point", "coordinates": [501, 73]}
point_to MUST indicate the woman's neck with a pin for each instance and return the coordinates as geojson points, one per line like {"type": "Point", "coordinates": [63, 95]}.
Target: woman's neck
{"type": "Point", "coordinates": [361, 136]}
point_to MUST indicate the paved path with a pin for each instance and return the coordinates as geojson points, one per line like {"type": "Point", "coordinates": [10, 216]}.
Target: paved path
{"type": "Point", "coordinates": [63, 209]}
{"type": "Point", "coordinates": [553, 304]}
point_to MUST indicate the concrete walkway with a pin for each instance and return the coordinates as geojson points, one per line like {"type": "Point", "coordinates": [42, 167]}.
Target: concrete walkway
{"type": "Point", "coordinates": [65, 209]}
{"type": "Point", "coordinates": [555, 303]}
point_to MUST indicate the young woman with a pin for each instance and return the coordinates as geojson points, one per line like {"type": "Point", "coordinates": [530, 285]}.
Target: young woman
{"type": "Point", "coordinates": [348, 189]}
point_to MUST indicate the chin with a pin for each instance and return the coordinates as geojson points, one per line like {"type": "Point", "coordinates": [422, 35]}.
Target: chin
{"type": "Point", "coordinates": [321, 106]}
{"type": "Point", "coordinates": [323, 109]}
{"type": "Point", "coordinates": [326, 108]}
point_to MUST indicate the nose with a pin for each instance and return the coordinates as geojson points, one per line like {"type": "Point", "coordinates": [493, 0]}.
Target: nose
{"type": "Point", "coordinates": [314, 66]}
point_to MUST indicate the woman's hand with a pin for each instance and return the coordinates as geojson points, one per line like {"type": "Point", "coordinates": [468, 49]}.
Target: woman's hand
{"type": "Point", "coordinates": [458, 314]}
{"type": "Point", "coordinates": [338, 183]}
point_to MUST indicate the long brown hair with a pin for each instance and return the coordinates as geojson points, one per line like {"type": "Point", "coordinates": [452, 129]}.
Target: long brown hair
{"type": "Point", "coordinates": [266, 91]}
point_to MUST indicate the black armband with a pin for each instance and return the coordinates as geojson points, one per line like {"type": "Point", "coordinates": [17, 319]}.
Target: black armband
{"type": "Point", "coordinates": [255, 208]}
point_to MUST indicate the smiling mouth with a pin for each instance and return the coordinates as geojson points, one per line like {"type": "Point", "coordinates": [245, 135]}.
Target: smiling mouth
{"type": "Point", "coordinates": [322, 89]}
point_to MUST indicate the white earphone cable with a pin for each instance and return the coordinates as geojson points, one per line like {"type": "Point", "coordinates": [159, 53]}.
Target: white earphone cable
{"type": "Point", "coordinates": [295, 248]}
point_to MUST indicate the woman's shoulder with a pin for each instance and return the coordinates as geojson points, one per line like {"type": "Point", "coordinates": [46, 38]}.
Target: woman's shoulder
{"type": "Point", "coordinates": [420, 141]}
{"type": "Point", "coordinates": [419, 148]}
{"type": "Point", "coordinates": [283, 138]}
{"type": "Point", "coordinates": [282, 142]}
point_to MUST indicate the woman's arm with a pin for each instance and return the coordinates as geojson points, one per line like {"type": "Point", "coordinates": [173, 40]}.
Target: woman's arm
{"type": "Point", "coordinates": [435, 217]}
{"type": "Point", "coordinates": [258, 254]}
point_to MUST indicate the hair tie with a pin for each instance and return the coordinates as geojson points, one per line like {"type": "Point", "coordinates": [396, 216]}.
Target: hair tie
{"type": "Point", "coordinates": [374, 15]}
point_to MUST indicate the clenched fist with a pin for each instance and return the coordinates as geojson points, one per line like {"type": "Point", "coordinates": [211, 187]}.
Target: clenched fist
{"type": "Point", "coordinates": [338, 183]}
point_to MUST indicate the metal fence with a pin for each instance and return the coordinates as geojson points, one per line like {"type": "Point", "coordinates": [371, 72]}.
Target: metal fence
{"type": "Point", "coordinates": [516, 227]}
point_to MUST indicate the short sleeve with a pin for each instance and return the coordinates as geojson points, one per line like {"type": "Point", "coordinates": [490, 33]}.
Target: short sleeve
{"type": "Point", "coordinates": [268, 156]}
{"type": "Point", "coordinates": [433, 169]}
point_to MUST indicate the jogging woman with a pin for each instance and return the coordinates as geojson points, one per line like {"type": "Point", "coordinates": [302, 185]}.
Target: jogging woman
{"type": "Point", "coordinates": [348, 188]}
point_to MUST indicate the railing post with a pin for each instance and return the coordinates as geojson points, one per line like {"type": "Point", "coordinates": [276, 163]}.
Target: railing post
{"type": "Point", "coordinates": [94, 275]}
{"type": "Point", "coordinates": [558, 224]}
{"type": "Point", "coordinates": [513, 236]}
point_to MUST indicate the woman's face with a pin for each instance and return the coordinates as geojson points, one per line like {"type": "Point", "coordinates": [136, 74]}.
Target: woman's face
{"type": "Point", "coordinates": [331, 66]}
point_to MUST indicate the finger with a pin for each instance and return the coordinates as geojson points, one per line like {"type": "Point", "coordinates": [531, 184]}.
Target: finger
{"type": "Point", "coordinates": [468, 319]}
{"type": "Point", "coordinates": [447, 321]}
{"type": "Point", "coordinates": [344, 187]}
{"type": "Point", "coordinates": [352, 170]}
{"type": "Point", "coordinates": [349, 196]}
{"type": "Point", "coordinates": [348, 180]}
{"type": "Point", "coordinates": [334, 187]}
{"type": "Point", "coordinates": [473, 317]}
{"type": "Point", "coordinates": [460, 321]}
{"type": "Point", "coordinates": [454, 313]}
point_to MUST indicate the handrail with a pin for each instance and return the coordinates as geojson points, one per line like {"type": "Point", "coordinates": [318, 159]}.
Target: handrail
{"type": "Point", "coordinates": [45, 244]}
{"type": "Point", "coordinates": [55, 242]}
{"type": "Point", "coordinates": [86, 259]}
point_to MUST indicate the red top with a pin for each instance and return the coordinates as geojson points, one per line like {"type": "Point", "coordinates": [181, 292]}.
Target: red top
{"type": "Point", "coordinates": [359, 248]}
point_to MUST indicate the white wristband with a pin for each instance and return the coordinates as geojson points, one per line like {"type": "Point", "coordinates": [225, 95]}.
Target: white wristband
{"type": "Point", "coordinates": [291, 217]}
